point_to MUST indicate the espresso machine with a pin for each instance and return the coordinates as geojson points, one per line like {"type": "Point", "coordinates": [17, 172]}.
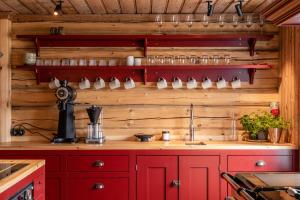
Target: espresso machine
{"type": "Point", "coordinates": [66, 125]}
{"type": "Point", "coordinates": [95, 130]}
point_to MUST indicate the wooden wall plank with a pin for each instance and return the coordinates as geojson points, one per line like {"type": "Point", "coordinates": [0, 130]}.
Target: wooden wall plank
{"type": "Point", "coordinates": [174, 6]}
{"type": "Point", "coordinates": [222, 5]}
{"type": "Point", "coordinates": [159, 6]}
{"type": "Point", "coordinates": [128, 6]}
{"type": "Point", "coordinates": [5, 80]}
{"type": "Point", "coordinates": [18, 6]}
{"type": "Point", "coordinates": [81, 6]}
{"type": "Point", "coordinates": [190, 6]}
{"type": "Point", "coordinates": [96, 6]}
{"type": "Point", "coordinates": [143, 6]}
{"type": "Point", "coordinates": [112, 6]}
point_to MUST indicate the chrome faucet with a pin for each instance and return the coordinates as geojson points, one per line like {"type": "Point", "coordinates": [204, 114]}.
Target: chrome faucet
{"type": "Point", "coordinates": [192, 129]}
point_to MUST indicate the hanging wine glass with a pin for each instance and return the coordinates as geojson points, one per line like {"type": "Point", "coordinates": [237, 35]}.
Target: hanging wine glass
{"type": "Point", "coordinates": [221, 21]}
{"type": "Point", "coordinates": [261, 23]}
{"type": "Point", "coordinates": [249, 21]}
{"type": "Point", "coordinates": [235, 21]}
{"type": "Point", "coordinates": [159, 21]}
{"type": "Point", "coordinates": [189, 21]}
{"type": "Point", "coordinates": [205, 20]}
{"type": "Point", "coordinates": [175, 21]}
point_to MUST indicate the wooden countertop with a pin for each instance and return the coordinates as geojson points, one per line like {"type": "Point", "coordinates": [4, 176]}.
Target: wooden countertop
{"type": "Point", "coordinates": [15, 177]}
{"type": "Point", "coordinates": [135, 145]}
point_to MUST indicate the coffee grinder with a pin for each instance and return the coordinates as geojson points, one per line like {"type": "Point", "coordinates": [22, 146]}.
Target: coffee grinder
{"type": "Point", "coordinates": [66, 125]}
{"type": "Point", "coordinates": [95, 131]}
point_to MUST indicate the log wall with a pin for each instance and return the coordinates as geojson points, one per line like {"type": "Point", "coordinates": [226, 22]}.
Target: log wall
{"type": "Point", "coordinates": [144, 109]}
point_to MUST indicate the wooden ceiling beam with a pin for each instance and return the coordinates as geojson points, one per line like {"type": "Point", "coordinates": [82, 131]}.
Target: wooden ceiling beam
{"type": "Point", "coordinates": [128, 6]}
{"type": "Point", "coordinates": [81, 6]}
{"type": "Point", "coordinates": [159, 6]}
{"type": "Point", "coordinates": [34, 6]}
{"type": "Point", "coordinates": [96, 6]}
{"type": "Point", "coordinates": [190, 6]}
{"type": "Point", "coordinates": [143, 6]}
{"type": "Point", "coordinates": [19, 7]}
{"type": "Point", "coordinates": [281, 10]}
{"type": "Point", "coordinates": [112, 6]}
{"type": "Point", "coordinates": [174, 6]}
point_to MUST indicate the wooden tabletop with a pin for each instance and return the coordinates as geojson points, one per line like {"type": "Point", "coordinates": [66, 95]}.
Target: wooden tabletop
{"type": "Point", "coordinates": [15, 177]}
{"type": "Point", "coordinates": [152, 145]}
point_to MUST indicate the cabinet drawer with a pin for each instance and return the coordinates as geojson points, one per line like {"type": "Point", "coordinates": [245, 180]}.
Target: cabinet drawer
{"type": "Point", "coordinates": [260, 163]}
{"type": "Point", "coordinates": [98, 188]}
{"type": "Point", "coordinates": [98, 163]}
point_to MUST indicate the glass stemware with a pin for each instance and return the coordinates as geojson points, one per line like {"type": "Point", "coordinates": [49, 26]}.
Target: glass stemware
{"type": "Point", "coordinates": [221, 21]}
{"type": "Point", "coordinates": [261, 22]}
{"type": "Point", "coordinates": [235, 21]}
{"type": "Point", "coordinates": [205, 20]}
{"type": "Point", "coordinates": [249, 21]}
{"type": "Point", "coordinates": [159, 21]}
{"type": "Point", "coordinates": [189, 21]}
{"type": "Point", "coordinates": [175, 21]}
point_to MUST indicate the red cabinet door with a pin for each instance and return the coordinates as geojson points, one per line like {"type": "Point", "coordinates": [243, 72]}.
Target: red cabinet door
{"type": "Point", "coordinates": [199, 177]}
{"type": "Point", "coordinates": [154, 177]}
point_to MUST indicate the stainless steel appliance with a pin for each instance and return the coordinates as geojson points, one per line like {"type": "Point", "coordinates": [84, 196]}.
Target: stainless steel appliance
{"type": "Point", "coordinates": [264, 186]}
{"type": "Point", "coordinates": [27, 193]}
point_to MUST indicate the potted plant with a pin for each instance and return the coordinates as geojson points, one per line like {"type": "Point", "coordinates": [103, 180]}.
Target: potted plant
{"type": "Point", "coordinates": [256, 125]}
{"type": "Point", "coordinates": [275, 125]}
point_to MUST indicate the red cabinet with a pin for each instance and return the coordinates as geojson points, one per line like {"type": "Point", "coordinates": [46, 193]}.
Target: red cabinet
{"type": "Point", "coordinates": [199, 177]}
{"type": "Point", "coordinates": [156, 176]}
{"type": "Point", "coordinates": [178, 177]}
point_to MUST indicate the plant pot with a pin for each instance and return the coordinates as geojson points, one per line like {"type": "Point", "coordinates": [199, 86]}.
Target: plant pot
{"type": "Point", "coordinates": [274, 134]}
{"type": "Point", "coordinates": [262, 135]}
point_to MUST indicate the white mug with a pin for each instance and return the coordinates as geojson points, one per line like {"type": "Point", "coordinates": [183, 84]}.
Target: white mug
{"type": "Point", "coordinates": [112, 62]}
{"type": "Point", "coordinates": [102, 62]}
{"type": "Point", "coordinates": [129, 84]}
{"type": "Point", "coordinates": [130, 60]}
{"type": "Point", "coordinates": [99, 83]}
{"type": "Point", "coordinates": [73, 62]}
{"type": "Point", "coordinates": [162, 83]}
{"type": "Point", "coordinates": [114, 83]}
{"type": "Point", "coordinates": [82, 62]}
{"type": "Point", "coordinates": [54, 83]}
{"type": "Point", "coordinates": [84, 84]}
{"type": "Point", "coordinates": [221, 83]}
{"type": "Point", "coordinates": [137, 61]}
{"type": "Point", "coordinates": [206, 83]}
{"type": "Point", "coordinates": [177, 83]}
{"type": "Point", "coordinates": [92, 62]}
{"type": "Point", "coordinates": [30, 58]}
{"type": "Point", "coordinates": [191, 84]}
{"type": "Point", "coordinates": [236, 83]}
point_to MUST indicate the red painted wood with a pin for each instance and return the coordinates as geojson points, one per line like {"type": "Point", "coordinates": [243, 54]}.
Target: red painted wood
{"type": "Point", "coordinates": [84, 188]}
{"type": "Point", "coordinates": [89, 163]}
{"type": "Point", "coordinates": [248, 163]}
{"type": "Point", "coordinates": [147, 73]}
{"type": "Point", "coordinates": [37, 178]}
{"type": "Point", "coordinates": [154, 177]}
{"type": "Point", "coordinates": [200, 177]}
{"type": "Point", "coordinates": [145, 41]}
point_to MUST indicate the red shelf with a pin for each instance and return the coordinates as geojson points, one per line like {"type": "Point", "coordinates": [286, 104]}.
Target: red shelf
{"type": "Point", "coordinates": [146, 73]}
{"type": "Point", "coordinates": [145, 41]}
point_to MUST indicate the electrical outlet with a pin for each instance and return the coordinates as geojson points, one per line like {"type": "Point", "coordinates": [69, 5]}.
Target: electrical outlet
{"type": "Point", "coordinates": [17, 131]}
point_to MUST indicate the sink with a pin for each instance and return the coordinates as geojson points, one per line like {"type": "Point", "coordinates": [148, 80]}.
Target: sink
{"type": "Point", "coordinates": [194, 143]}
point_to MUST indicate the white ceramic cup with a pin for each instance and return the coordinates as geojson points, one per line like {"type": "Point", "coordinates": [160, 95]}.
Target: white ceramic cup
{"type": "Point", "coordinates": [39, 62]}
{"type": "Point", "coordinates": [130, 60]}
{"type": "Point", "coordinates": [82, 62]}
{"type": "Point", "coordinates": [206, 83]}
{"type": "Point", "coordinates": [162, 83]}
{"type": "Point", "coordinates": [54, 83]}
{"type": "Point", "coordinates": [112, 62]}
{"type": "Point", "coordinates": [102, 62]}
{"type": "Point", "coordinates": [84, 84]}
{"type": "Point", "coordinates": [30, 58]}
{"type": "Point", "coordinates": [221, 83]}
{"type": "Point", "coordinates": [114, 83]}
{"type": "Point", "coordinates": [177, 83]}
{"type": "Point", "coordinates": [65, 62]}
{"type": "Point", "coordinates": [73, 62]}
{"type": "Point", "coordinates": [236, 83]}
{"type": "Point", "coordinates": [99, 83]}
{"type": "Point", "coordinates": [129, 84]}
{"type": "Point", "coordinates": [191, 84]}
{"type": "Point", "coordinates": [92, 62]}
{"type": "Point", "coordinates": [137, 61]}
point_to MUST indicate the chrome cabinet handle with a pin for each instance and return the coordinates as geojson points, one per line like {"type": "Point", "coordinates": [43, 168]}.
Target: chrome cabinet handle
{"type": "Point", "coordinates": [260, 163]}
{"type": "Point", "coordinates": [99, 186]}
{"type": "Point", "coordinates": [175, 183]}
{"type": "Point", "coordinates": [98, 163]}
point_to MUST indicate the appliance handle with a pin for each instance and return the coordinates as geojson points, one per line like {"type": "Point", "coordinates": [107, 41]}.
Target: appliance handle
{"type": "Point", "coordinates": [240, 190]}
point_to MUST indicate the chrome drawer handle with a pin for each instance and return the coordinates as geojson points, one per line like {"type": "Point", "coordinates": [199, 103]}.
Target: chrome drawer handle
{"type": "Point", "coordinates": [99, 186]}
{"type": "Point", "coordinates": [98, 163]}
{"type": "Point", "coordinates": [260, 163]}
